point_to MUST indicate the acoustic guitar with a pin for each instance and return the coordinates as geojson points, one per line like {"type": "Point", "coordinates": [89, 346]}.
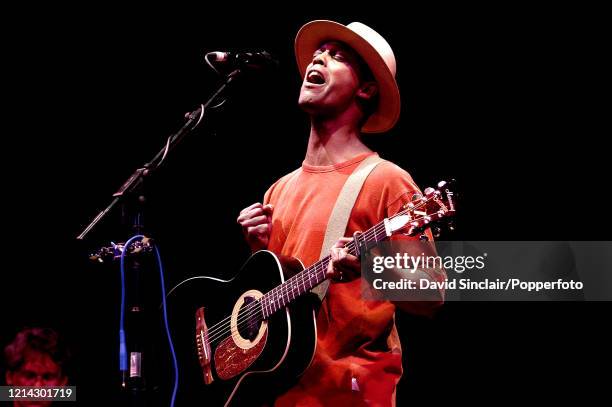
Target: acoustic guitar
{"type": "Point", "coordinates": [259, 327]}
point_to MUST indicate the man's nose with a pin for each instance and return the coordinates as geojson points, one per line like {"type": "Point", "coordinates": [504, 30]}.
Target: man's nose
{"type": "Point", "coordinates": [320, 59]}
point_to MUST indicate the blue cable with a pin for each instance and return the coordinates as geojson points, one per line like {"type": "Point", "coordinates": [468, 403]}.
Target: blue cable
{"type": "Point", "coordinates": [123, 359]}
{"type": "Point", "coordinates": [174, 362]}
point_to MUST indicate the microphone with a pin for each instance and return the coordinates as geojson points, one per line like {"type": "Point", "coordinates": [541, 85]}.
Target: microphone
{"type": "Point", "coordinates": [240, 60]}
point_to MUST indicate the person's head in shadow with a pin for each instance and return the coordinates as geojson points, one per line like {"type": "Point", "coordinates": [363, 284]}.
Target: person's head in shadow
{"type": "Point", "coordinates": [36, 357]}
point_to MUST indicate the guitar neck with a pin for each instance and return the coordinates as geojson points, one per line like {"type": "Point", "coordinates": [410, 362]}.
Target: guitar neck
{"type": "Point", "coordinates": [300, 284]}
{"type": "Point", "coordinates": [416, 216]}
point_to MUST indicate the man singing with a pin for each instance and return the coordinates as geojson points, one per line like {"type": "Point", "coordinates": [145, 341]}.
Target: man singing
{"type": "Point", "coordinates": [349, 89]}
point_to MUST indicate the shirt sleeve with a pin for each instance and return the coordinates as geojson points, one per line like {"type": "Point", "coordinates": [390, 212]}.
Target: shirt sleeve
{"type": "Point", "coordinates": [397, 189]}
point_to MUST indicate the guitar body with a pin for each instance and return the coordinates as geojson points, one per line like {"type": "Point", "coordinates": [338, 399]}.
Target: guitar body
{"type": "Point", "coordinates": [245, 340]}
{"type": "Point", "coordinates": [249, 359]}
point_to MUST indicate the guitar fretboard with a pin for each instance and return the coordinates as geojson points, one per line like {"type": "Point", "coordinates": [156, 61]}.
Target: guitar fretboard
{"type": "Point", "coordinates": [279, 297]}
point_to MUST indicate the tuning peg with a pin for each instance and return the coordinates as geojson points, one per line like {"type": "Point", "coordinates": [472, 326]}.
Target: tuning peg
{"type": "Point", "coordinates": [442, 184]}
{"type": "Point", "coordinates": [451, 225]}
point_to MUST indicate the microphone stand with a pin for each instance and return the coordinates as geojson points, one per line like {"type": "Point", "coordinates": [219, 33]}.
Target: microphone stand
{"type": "Point", "coordinates": [135, 180]}
{"type": "Point", "coordinates": [132, 197]}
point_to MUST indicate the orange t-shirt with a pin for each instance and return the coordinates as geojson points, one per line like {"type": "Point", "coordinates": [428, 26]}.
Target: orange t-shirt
{"type": "Point", "coordinates": [358, 354]}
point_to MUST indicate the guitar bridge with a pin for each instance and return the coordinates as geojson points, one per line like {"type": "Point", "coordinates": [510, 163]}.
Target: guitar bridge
{"type": "Point", "coordinates": [203, 346]}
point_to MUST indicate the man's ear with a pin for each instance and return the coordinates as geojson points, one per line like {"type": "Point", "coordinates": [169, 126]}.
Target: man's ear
{"type": "Point", "coordinates": [367, 90]}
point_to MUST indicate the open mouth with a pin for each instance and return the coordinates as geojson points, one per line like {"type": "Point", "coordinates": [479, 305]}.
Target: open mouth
{"type": "Point", "coordinates": [315, 77]}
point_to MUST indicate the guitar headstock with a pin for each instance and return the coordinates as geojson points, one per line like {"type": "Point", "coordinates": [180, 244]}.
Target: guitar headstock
{"type": "Point", "coordinates": [431, 210]}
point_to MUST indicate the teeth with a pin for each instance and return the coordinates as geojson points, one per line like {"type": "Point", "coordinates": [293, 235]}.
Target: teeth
{"type": "Point", "coordinates": [315, 77]}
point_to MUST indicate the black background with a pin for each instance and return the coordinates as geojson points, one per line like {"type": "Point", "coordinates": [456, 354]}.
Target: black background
{"type": "Point", "coordinates": [507, 101]}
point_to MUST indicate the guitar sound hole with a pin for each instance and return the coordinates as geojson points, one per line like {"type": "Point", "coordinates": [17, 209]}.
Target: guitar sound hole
{"type": "Point", "coordinates": [249, 319]}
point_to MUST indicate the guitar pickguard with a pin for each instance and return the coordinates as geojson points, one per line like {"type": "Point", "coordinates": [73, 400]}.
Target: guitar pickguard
{"type": "Point", "coordinates": [231, 360]}
{"type": "Point", "coordinates": [236, 353]}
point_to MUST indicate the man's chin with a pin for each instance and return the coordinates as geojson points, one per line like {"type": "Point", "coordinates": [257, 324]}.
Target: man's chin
{"type": "Point", "coordinates": [307, 103]}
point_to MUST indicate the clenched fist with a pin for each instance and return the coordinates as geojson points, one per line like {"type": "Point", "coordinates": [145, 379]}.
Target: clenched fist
{"type": "Point", "coordinates": [256, 222]}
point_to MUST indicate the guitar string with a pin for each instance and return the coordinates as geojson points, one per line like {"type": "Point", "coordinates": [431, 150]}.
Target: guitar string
{"type": "Point", "coordinates": [220, 328]}
{"type": "Point", "coordinates": [284, 288]}
{"type": "Point", "coordinates": [258, 312]}
{"type": "Point", "coordinates": [288, 287]}
{"type": "Point", "coordinates": [278, 295]}
{"type": "Point", "coordinates": [216, 331]}
{"type": "Point", "coordinates": [320, 266]}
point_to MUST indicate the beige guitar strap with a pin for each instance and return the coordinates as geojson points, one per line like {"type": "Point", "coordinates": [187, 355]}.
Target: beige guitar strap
{"type": "Point", "coordinates": [336, 226]}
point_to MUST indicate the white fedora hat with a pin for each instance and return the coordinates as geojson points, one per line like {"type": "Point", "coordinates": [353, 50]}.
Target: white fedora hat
{"type": "Point", "coordinates": [374, 50]}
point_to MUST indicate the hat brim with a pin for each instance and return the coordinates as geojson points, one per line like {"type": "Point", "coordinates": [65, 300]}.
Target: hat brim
{"type": "Point", "coordinates": [312, 35]}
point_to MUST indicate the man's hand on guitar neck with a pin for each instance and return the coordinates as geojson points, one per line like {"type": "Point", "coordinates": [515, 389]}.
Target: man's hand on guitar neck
{"type": "Point", "coordinates": [256, 222]}
{"type": "Point", "coordinates": [343, 266]}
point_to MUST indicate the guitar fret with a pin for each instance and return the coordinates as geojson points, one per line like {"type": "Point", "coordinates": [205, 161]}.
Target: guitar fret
{"type": "Point", "coordinates": [307, 279]}
{"type": "Point", "coordinates": [264, 311]}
